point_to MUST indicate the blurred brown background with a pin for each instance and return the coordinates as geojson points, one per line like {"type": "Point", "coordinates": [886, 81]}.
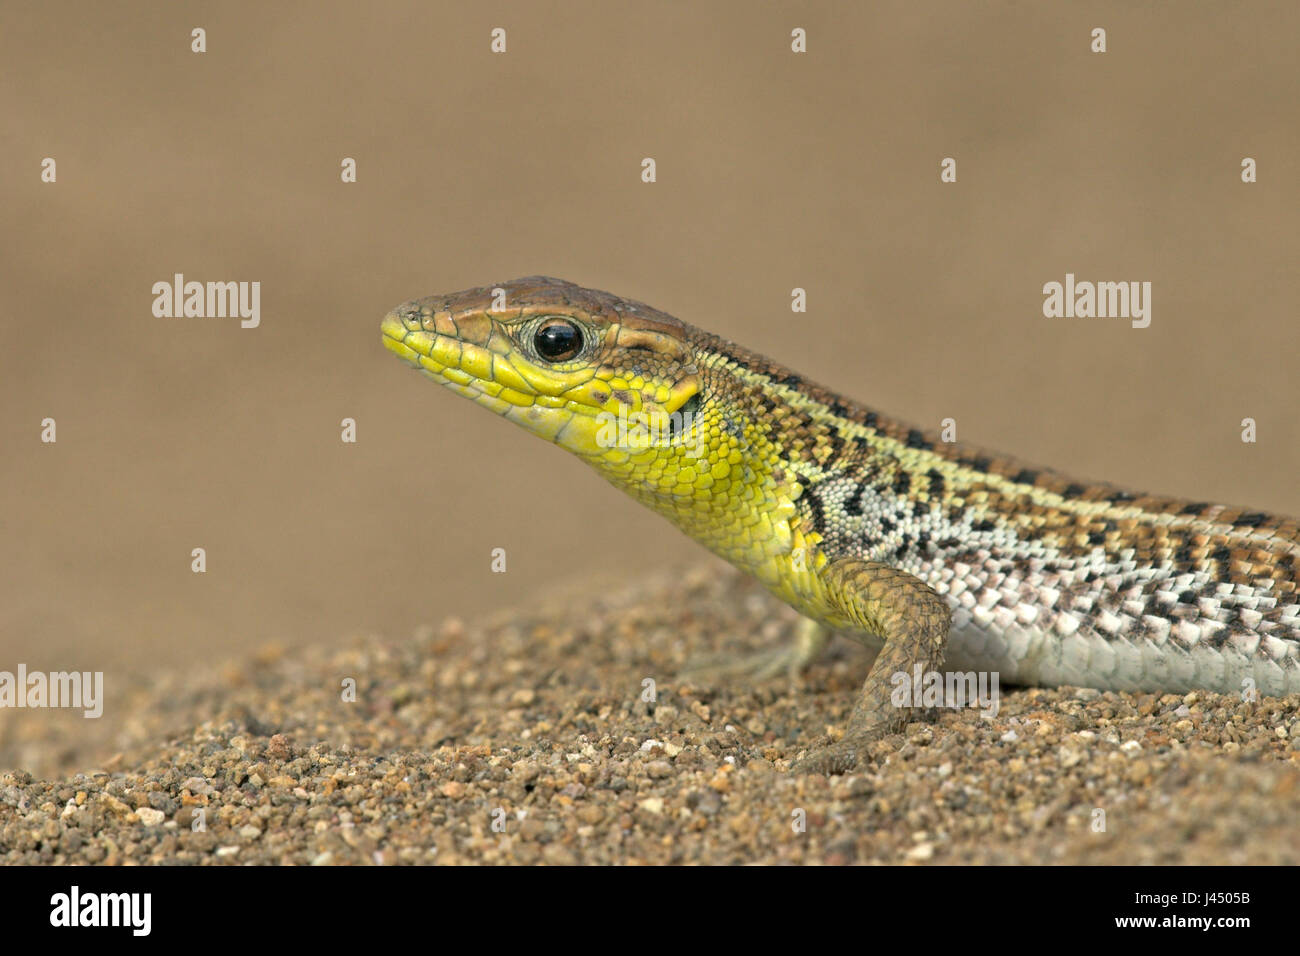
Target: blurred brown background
{"type": "Point", "coordinates": [775, 170]}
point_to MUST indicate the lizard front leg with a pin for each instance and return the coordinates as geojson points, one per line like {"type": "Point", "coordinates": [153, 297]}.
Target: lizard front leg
{"type": "Point", "coordinates": [912, 620]}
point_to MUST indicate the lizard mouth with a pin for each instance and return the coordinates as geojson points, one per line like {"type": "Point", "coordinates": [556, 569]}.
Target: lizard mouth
{"type": "Point", "coordinates": [395, 337]}
{"type": "Point", "coordinates": [581, 409]}
{"type": "Point", "coordinates": [440, 358]}
{"type": "Point", "coordinates": [482, 375]}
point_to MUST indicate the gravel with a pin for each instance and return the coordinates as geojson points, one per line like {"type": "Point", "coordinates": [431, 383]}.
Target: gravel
{"type": "Point", "coordinates": [558, 734]}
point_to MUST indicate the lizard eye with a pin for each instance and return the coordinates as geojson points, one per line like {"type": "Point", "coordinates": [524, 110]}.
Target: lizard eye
{"type": "Point", "coordinates": [557, 340]}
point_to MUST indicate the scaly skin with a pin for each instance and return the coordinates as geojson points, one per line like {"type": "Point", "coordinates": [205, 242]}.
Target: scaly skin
{"type": "Point", "coordinates": [928, 552]}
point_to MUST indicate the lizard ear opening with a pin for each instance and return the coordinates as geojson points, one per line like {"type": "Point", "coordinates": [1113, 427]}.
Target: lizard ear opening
{"type": "Point", "coordinates": [680, 421]}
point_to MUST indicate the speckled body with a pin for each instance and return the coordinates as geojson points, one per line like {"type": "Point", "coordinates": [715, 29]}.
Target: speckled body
{"type": "Point", "coordinates": [1049, 580]}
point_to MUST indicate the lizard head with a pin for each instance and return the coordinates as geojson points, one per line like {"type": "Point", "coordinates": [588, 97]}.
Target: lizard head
{"type": "Point", "coordinates": [611, 380]}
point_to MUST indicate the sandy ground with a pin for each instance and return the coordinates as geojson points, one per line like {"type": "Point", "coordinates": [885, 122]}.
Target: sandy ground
{"type": "Point", "coordinates": [525, 739]}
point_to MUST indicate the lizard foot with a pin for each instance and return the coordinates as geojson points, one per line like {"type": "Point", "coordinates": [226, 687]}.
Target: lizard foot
{"type": "Point", "coordinates": [810, 640]}
{"type": "Point", "coordinates": [849, 753]}
{"type": "Point", "coordinates": [747, 667]}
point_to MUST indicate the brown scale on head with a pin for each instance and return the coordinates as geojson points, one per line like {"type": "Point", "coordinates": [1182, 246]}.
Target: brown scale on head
{"type": "Point", "coordinates": [628, 324]}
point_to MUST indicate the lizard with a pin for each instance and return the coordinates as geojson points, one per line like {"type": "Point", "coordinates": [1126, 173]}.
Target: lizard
{"type": "Point", "coordinates": [931, 553]}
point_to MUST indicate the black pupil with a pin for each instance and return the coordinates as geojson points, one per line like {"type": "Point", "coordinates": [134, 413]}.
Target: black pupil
{"type": "Point", "coordinates": [559, 340]}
